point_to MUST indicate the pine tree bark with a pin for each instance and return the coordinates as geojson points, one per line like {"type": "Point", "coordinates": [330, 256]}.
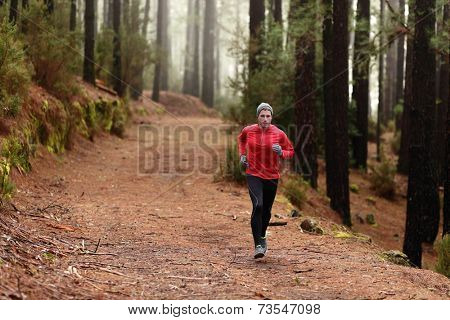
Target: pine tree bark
{"type": "Point", "coordinates": [217, 82]}
{"type": "Point", "coordinates": [73, 15]}
{"type": "Point", "coordinates": [89, 43]}
{"type": "Point", "coordinates": [327, 36]}
{"type": "Point", "coordinates": [165, 44]}
{"type": "Point", "coordinates": [146, 19]}
{"type": "Point", "coordinates": [400, 64]}
{"type": "Point", "coordinates": [140, 83]}
{"type": "Point", "coordinates": [50, 6]}
{"type": "Point", "coordinates": [255, 50]}
{"type": "Point", "coordinates": [105, 12]}
{"type": "Point", "coordinates": [135, 68]}
{"type": "Point", "coordinates": [305, 100]}
{"type": "Point", "coordinates": [390, 78]}
{"type": "Point", "coordinates": [422, 215]}
{"type": "Point", "coordinates": [403, 157]}
{"type": "Point", "coordinates": [237, 4]}
{"type": "Point", "coordinates": [109, 22]}
{"type": "Point", "coordinates": [196, 64]}
{"type": "Point", "coordinates": [391, 67]}
{"type": "Point", "coordinates": [117, 63]}
{"type": "Point", "coordinates": [208, 53]}
{"type": "Point", "coordinates": [257, 17]}
{"type": "Point", "coordinates": [361, 64]}
{"type": "Point", "coordinates": [188, 57]}
{"type": "Point", "coordinates": [277, 11]}
{"type": "Point", "coordinates": [96, 18]}
{"type": "Point", "coordinates": [446, 222]}
{"type": "Point", "coordinates": [159, 42]}
{"type": "Point", "coordinates": [13, 11]}
{"type": "Point", "coordinates": [340, 199]}
{"type": "Point", "coordinates": [444, 94]}
{"type": "Point", "coordinates": [380, 112]}
{"type": "Point", "coordinates": [126, 14]}
{"type": "Point", "coordinates": [443, 101]}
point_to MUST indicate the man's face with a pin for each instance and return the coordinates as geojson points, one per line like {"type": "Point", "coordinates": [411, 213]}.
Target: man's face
{"type": "Point", "coordinates": [264, 119]}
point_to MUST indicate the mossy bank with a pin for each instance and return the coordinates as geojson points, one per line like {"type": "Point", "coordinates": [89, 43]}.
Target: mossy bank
{"type": "Point", "coordinates": [47, 121]}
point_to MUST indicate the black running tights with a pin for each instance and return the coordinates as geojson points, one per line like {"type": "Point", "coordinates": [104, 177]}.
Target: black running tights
{"type": "Point", "coordinates": [262, 192]}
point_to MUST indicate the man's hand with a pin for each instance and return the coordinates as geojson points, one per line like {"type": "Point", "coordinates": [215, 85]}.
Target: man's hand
{"type": "Point", "coordinates": [277, 148]}
{"type": "Point", "coordinates": [243, 161]}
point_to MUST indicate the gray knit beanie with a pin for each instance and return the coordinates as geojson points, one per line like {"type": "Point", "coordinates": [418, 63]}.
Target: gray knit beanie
{"type": "Point", "coordinates": [264, 106]}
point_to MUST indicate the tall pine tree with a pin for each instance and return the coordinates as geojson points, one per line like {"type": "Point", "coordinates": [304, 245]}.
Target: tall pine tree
{"type": "Point", "coordinates": [305, 100]}
{"type": "Point", "coordinates": [89, 43]}
{"type": "Point", "coordinates": [340, 198]}
{"type": "Point", "coordinates": [422, 215]}
{"type": "Point", "coordinates": [208, 53]}
{"type": "Point", "coordinates": [360, 95]}
{"type": "Point", "coordinates": [117, 64]}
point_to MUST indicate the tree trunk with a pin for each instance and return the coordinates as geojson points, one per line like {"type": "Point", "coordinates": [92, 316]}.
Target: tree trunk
{"type": "Point", "coordinates": [196, 61]}
{"type": "Point", "coordinates": [95, 18]}
{"type": "Point", "coordinates": [109, 22]}
{"type": "Point", "coordinates": [89, 43]}
{"type": "Point", "coordinates": [361, 64]}
{"type": "Point", "coordinates": [73, 15]}
{"type": "Point", "coordinates": [80, 11]}
{"type": "Point", "coordinates": [444, 94]}
{"type": "Point", "coordinates": [305, 100]}
{"type": "Point", "coordinates": [257, 17]}
{"type": "Point", "coordinates": [187, 77]}
{"type": "Point", "coordinates": [117, 64]}
{"type": "Point", "coordinates": [165, 62]}
{"type": "Point", "coordinates": [217, 59]}
{"type": "Point", "coordinates": [13, 11]}
{"type": "Point", "coordinates": [135, 11]}
{"type": "Point", "coordinates": [146, 19]}
{"type": "Point", "coordinates": [126, 54]}
{"type": "Point", "coordinates": [443, 102]}
{"type": "Point", "coordinates": [255, 49]}
{"type": "Point", "coordinates": [140, 82]}
{"type": "Point", "coordinates": [327, 36]}
{"type": "Point", "coordinates": [422, 215]}
{"type": "Point", "coordinates": [277, 11]}
{"type": "Point", "coordinates": [389, 88]}
{"type": "Point", "coordinates": [380, 112]}
{"type": "Point", "coordinates": [208, 53]}
{"type": "Point", "coordinates": [157, 76]}
{"type": "Point", "coordinates": [400, 65]}
{"type": "Point", "coordinates": [403, 157]}
{"type": "Point", "coordinates": [50, 6]}
{"type": "Point", "coordinates": [126, 14]}
{"type": "Point", "coordinates": [340, 201]}
{"type": "Point", "coordinates": [105, 12]}
{"type": "Point", "coordinates": [446, 223]}
{"type": "Point", "coordinates": [276, 20]}
{"type": "Point", "coordinates": [391, 68]}
{"type": "Point", "coordinates": [135, 68]}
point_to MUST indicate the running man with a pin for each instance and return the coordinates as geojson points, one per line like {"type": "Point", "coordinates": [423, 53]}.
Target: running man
{"type": "Point", "coordinates": [260, 147]}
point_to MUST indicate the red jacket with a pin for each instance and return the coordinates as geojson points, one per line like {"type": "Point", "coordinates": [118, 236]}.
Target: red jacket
{"type": "Point", "coordinates": [257, 143]}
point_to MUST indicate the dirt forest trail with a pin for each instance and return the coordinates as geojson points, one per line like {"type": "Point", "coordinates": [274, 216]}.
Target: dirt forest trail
{"type": "Point", "coordinates": [185, 236]}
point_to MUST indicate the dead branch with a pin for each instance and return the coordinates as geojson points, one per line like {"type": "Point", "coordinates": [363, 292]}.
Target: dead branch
{"type": "Point", "coordinates": [277, 223]}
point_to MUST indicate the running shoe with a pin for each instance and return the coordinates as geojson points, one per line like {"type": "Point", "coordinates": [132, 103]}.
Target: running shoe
{"type": "Point", "coordinates": [264, 244]}
{"type": "Point", "coordinates": [259, 251]}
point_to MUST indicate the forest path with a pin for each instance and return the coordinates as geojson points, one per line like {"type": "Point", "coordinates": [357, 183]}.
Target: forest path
{"type": "Point", "coordinates": [184, 236]}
